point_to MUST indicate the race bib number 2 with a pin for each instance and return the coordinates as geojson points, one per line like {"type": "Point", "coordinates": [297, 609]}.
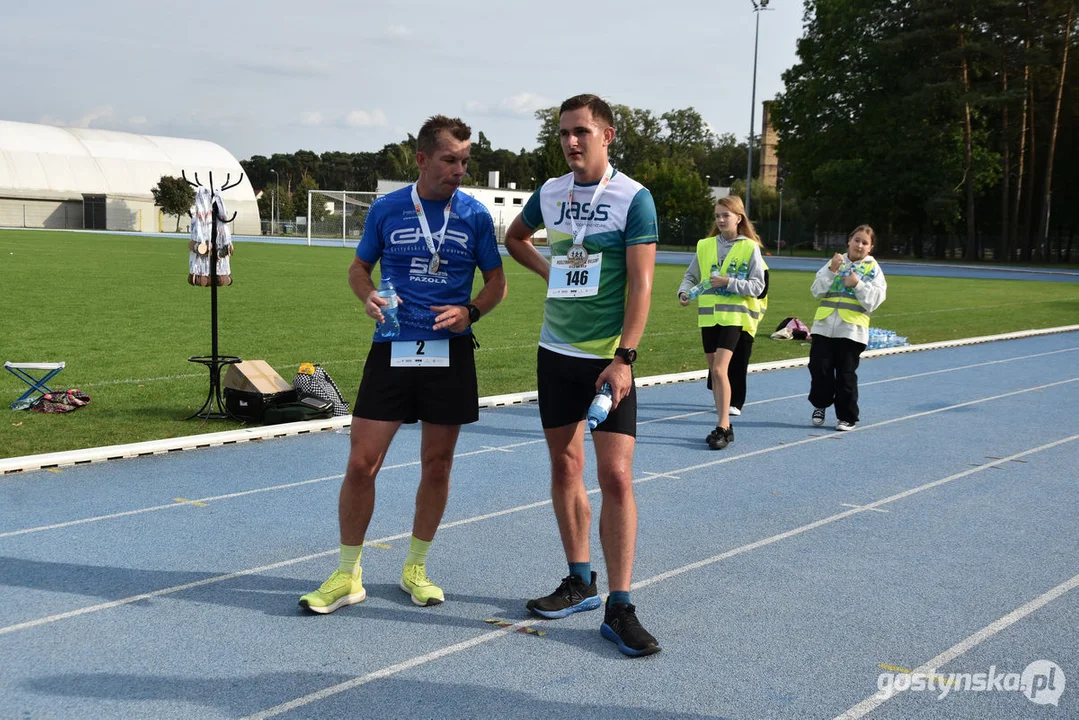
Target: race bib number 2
{"type": "Point", "coordinates": [573, 281]}
{"type": "Point", "coordinates": [420, 353]}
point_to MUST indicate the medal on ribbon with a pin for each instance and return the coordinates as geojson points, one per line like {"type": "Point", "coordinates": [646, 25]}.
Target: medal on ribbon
{"type": "Point", "coordinates": [428, 238]}
{"type": "Point", "coordinates": [577, 256]}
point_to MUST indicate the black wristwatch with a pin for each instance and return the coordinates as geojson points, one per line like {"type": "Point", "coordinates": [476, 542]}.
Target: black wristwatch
{"type": "Point", "coordinates": [473, 314]}
{"type": "Point", "coordinates": [628, 355]}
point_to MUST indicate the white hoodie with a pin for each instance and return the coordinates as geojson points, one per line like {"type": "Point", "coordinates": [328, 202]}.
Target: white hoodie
{"type": "Point", "coordinates": [870, 295]}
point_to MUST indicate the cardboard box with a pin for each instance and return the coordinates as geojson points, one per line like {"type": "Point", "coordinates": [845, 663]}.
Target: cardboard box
{"type": "Point", "coordinates": [255, 376]}
{"type": "Point", "coordinates": [253, 405]}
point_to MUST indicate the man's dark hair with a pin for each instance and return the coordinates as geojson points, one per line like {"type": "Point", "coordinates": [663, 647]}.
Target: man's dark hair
{"type": "Point", "coordinates": [427, 140]}
{"type": "Point", "coordinates": [599, 107]}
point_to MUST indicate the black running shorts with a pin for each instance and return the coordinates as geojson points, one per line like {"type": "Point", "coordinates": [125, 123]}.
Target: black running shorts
{"type": "Point", "coordinates": [440, 395]}
{"type": "Point", "coordinates": [566, 387]}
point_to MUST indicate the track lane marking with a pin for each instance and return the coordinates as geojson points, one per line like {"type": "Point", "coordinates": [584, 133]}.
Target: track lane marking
{"type": "Point", "coordinates": [502, 632]}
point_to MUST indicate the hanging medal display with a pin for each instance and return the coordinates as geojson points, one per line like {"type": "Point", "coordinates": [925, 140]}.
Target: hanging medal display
{"type": "Point", "coordinates": [435, 262]}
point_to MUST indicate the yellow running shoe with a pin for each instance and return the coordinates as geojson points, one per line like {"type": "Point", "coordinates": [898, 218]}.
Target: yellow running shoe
{"type": "Point", "coordinates": [341, 589]}
{"type": "Point", "coordinates": [415, 582]}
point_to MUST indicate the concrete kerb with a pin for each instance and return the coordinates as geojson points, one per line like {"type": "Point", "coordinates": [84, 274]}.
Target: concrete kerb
{"type": "Point", "coordinates": [230, 437]}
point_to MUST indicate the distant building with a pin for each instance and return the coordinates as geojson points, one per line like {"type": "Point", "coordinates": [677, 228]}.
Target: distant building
{"type": "Point", "coordinates": [769, 163]}
{"type": "Point", "coordinates": [504, 204]}
{"type": "Point", "coordinates": [80, 178]}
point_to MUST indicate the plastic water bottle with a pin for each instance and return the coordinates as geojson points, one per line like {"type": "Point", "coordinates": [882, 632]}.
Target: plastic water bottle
{"type": "Point", "coordinates": [389, 327]}
{"type": "Point", "coordinates": [697, 289]}
{"type": "Point", "coordinates": [601, 405]}
{"type": "Point", "coordinates": [743, 271]}
{"type": "Point", "coordinates": [705, 284]}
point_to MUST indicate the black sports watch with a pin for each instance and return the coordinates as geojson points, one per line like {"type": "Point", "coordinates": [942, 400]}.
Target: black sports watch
{"type": "Point", "coordinates": [628, 355]}
{"type": "Point", "coordinates": [473, 314]}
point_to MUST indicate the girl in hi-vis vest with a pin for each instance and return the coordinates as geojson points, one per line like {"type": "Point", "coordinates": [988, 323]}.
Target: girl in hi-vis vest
{"type": "Point", "coordinates": [727, 300]}
{"type": "Point", "coordinates": [850, 287]}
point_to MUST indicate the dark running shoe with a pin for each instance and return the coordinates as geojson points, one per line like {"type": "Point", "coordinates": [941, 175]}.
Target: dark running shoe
{"type": "Point", "coordinates": [818, 417]}
{"type": "Point", "coordinates": [720, 438]}
{"type": "Point", "coordinates": [570, 597]}
{"type": "Point", "coordinates": [621, 626]}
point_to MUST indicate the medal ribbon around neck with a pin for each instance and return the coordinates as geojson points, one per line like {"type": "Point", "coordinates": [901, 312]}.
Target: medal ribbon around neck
{"type": "Point", "coordinates": [427, 237]}
{"type": "Point", "coordinates": [577, 254]}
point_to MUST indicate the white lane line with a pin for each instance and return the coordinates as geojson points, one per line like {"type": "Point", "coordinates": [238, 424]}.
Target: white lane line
{"type": "Point", "coordinates": [495, 634]}
{"type": "Point", "coordinates": [726, 459]}
{"type": "Point", "coordinates": [862, 507]}
{"type": "Point", "coordinates": [873, 702]}
{"type": "Point", "coordinates": [392, 670]}
{"type": "Point", "coordinates": [898, 378]}
{"type": "Point", "coordinates": [840, 516]}
{"type": "Point", "coordinates": [509, 511]}
{"type": "Point", "coordinates": [171, 506]}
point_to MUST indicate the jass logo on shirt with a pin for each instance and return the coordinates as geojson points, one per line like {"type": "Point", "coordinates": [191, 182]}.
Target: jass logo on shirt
{"type": "Point", "coordinates": [582, 212]}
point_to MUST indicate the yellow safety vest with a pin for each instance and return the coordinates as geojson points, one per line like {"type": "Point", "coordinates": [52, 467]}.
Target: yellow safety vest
{"type": "Point", "coordinates": [714, 308]}
{"type": "Point", "coordinates": [842, 299]}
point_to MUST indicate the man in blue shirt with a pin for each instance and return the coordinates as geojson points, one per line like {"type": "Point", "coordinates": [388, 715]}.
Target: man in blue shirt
{"type": "Point", "coordinates": [428, 239]}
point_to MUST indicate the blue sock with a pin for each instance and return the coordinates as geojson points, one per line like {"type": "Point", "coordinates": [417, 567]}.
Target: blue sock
{"type": "Point", "coordinates": [582, 570]}
{"type": "Point", "coordinates": [618, 596]}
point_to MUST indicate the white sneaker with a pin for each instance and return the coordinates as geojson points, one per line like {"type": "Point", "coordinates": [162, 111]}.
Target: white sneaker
{"type": "Point", "coordinates": [844, 426]}
{"type": "Point", "coordinates": [734, 411]}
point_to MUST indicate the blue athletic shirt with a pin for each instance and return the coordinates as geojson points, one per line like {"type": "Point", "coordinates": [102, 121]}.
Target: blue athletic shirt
{"type": "Point", "coordinates": [392, 237]}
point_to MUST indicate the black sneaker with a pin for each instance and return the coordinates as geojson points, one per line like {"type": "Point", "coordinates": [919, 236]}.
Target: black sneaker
{"type": "Point", "coordinates": [720, 438]}
{"type": "Point", "coordinates": [570, 597]}
{"type": "Point", "coordinates": [621, 626]}
{"type": "Point", "coordinates": [818, 417]}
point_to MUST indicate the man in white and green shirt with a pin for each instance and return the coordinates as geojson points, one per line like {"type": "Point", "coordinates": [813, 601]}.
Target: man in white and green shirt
{"type": "Point", "coordinates": [602, 230]}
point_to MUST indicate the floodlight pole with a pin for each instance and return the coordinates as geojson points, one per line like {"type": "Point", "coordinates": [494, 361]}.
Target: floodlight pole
{"type": "Point", "coordinates": [273, 202]}
{"type": "Point", "coordinates": [758, 5]}
{"type": "Point", "coordinates": [779, 232]}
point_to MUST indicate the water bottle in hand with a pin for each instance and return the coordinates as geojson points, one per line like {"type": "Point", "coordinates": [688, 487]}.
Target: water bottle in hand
{"type": "Point", "coordinates": [389, 327]}
{"type": "Point", "coordinates": [601, 405]}
{"type": "Point", "coordinates": [697, 289]}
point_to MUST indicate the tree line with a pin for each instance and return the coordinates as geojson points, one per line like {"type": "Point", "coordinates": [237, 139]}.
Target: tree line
{"type": "Point", "coordinates": [928, 117]}
{"type": "Point", "coordinates": [676, 155]}
{"type": "Point", "coordinates": [946, 124]}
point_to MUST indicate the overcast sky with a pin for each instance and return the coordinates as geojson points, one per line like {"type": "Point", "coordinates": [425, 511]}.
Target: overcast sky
{"type": "Point", "coordinates": [271, 76]}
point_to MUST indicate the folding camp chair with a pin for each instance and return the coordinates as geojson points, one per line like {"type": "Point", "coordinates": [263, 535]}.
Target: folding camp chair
{"type": "Point", "coordinates": [26, 372]}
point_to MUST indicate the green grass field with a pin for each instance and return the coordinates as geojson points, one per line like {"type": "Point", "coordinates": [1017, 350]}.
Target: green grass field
{"type": "Point", "coordinates": [118, 310]}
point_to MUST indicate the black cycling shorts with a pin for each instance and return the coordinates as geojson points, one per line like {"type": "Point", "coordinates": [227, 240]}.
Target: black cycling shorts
{"type": "Point", "coordinates": [566, 387]}
{"type": "Point", "coordinates": [720, 337]}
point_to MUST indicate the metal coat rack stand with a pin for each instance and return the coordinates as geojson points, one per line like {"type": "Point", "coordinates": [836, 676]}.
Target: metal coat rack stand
{"type": "Point", "coordinates": [214, 361]}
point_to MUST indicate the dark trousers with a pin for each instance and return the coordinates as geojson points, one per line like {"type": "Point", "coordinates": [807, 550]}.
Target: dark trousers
{"type": "Point", "coordinates": [738, 369]}
{"type": "Point", "coordinates": [833, 369]}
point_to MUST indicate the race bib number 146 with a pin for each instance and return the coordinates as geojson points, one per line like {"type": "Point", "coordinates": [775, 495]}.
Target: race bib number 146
{"type": "Point", "coordinates": [569, 281]}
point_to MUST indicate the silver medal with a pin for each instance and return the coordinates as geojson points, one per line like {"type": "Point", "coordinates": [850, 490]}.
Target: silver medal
{"type": "Point", "coordinates": [434, 264]}
{"type": "Point", "coordinates": [577, 256]}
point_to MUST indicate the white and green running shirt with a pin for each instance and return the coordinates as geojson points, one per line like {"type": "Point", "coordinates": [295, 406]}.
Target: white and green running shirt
{"type": "Point", "coordinates": [590, 324]}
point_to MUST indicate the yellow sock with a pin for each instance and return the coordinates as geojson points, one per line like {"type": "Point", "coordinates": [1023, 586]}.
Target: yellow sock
{"type": "Point", "coordinates": [350, 559]}
{"type": "Point", "coordinates": [417, 551]}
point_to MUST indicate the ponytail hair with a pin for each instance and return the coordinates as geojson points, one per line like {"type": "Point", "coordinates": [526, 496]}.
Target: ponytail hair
{"type": "Point", "coordinates": [868, 231]}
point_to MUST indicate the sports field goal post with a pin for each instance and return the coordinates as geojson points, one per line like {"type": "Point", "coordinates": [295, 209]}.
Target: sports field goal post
{"type": "Point", "coordinates": [337, 213]}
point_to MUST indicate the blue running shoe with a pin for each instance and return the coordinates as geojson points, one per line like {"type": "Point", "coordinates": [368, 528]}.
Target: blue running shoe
{"type": "Point", "coordinates": [570, 597]}
{"type": "Point", "coordinates": [621, 626]}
